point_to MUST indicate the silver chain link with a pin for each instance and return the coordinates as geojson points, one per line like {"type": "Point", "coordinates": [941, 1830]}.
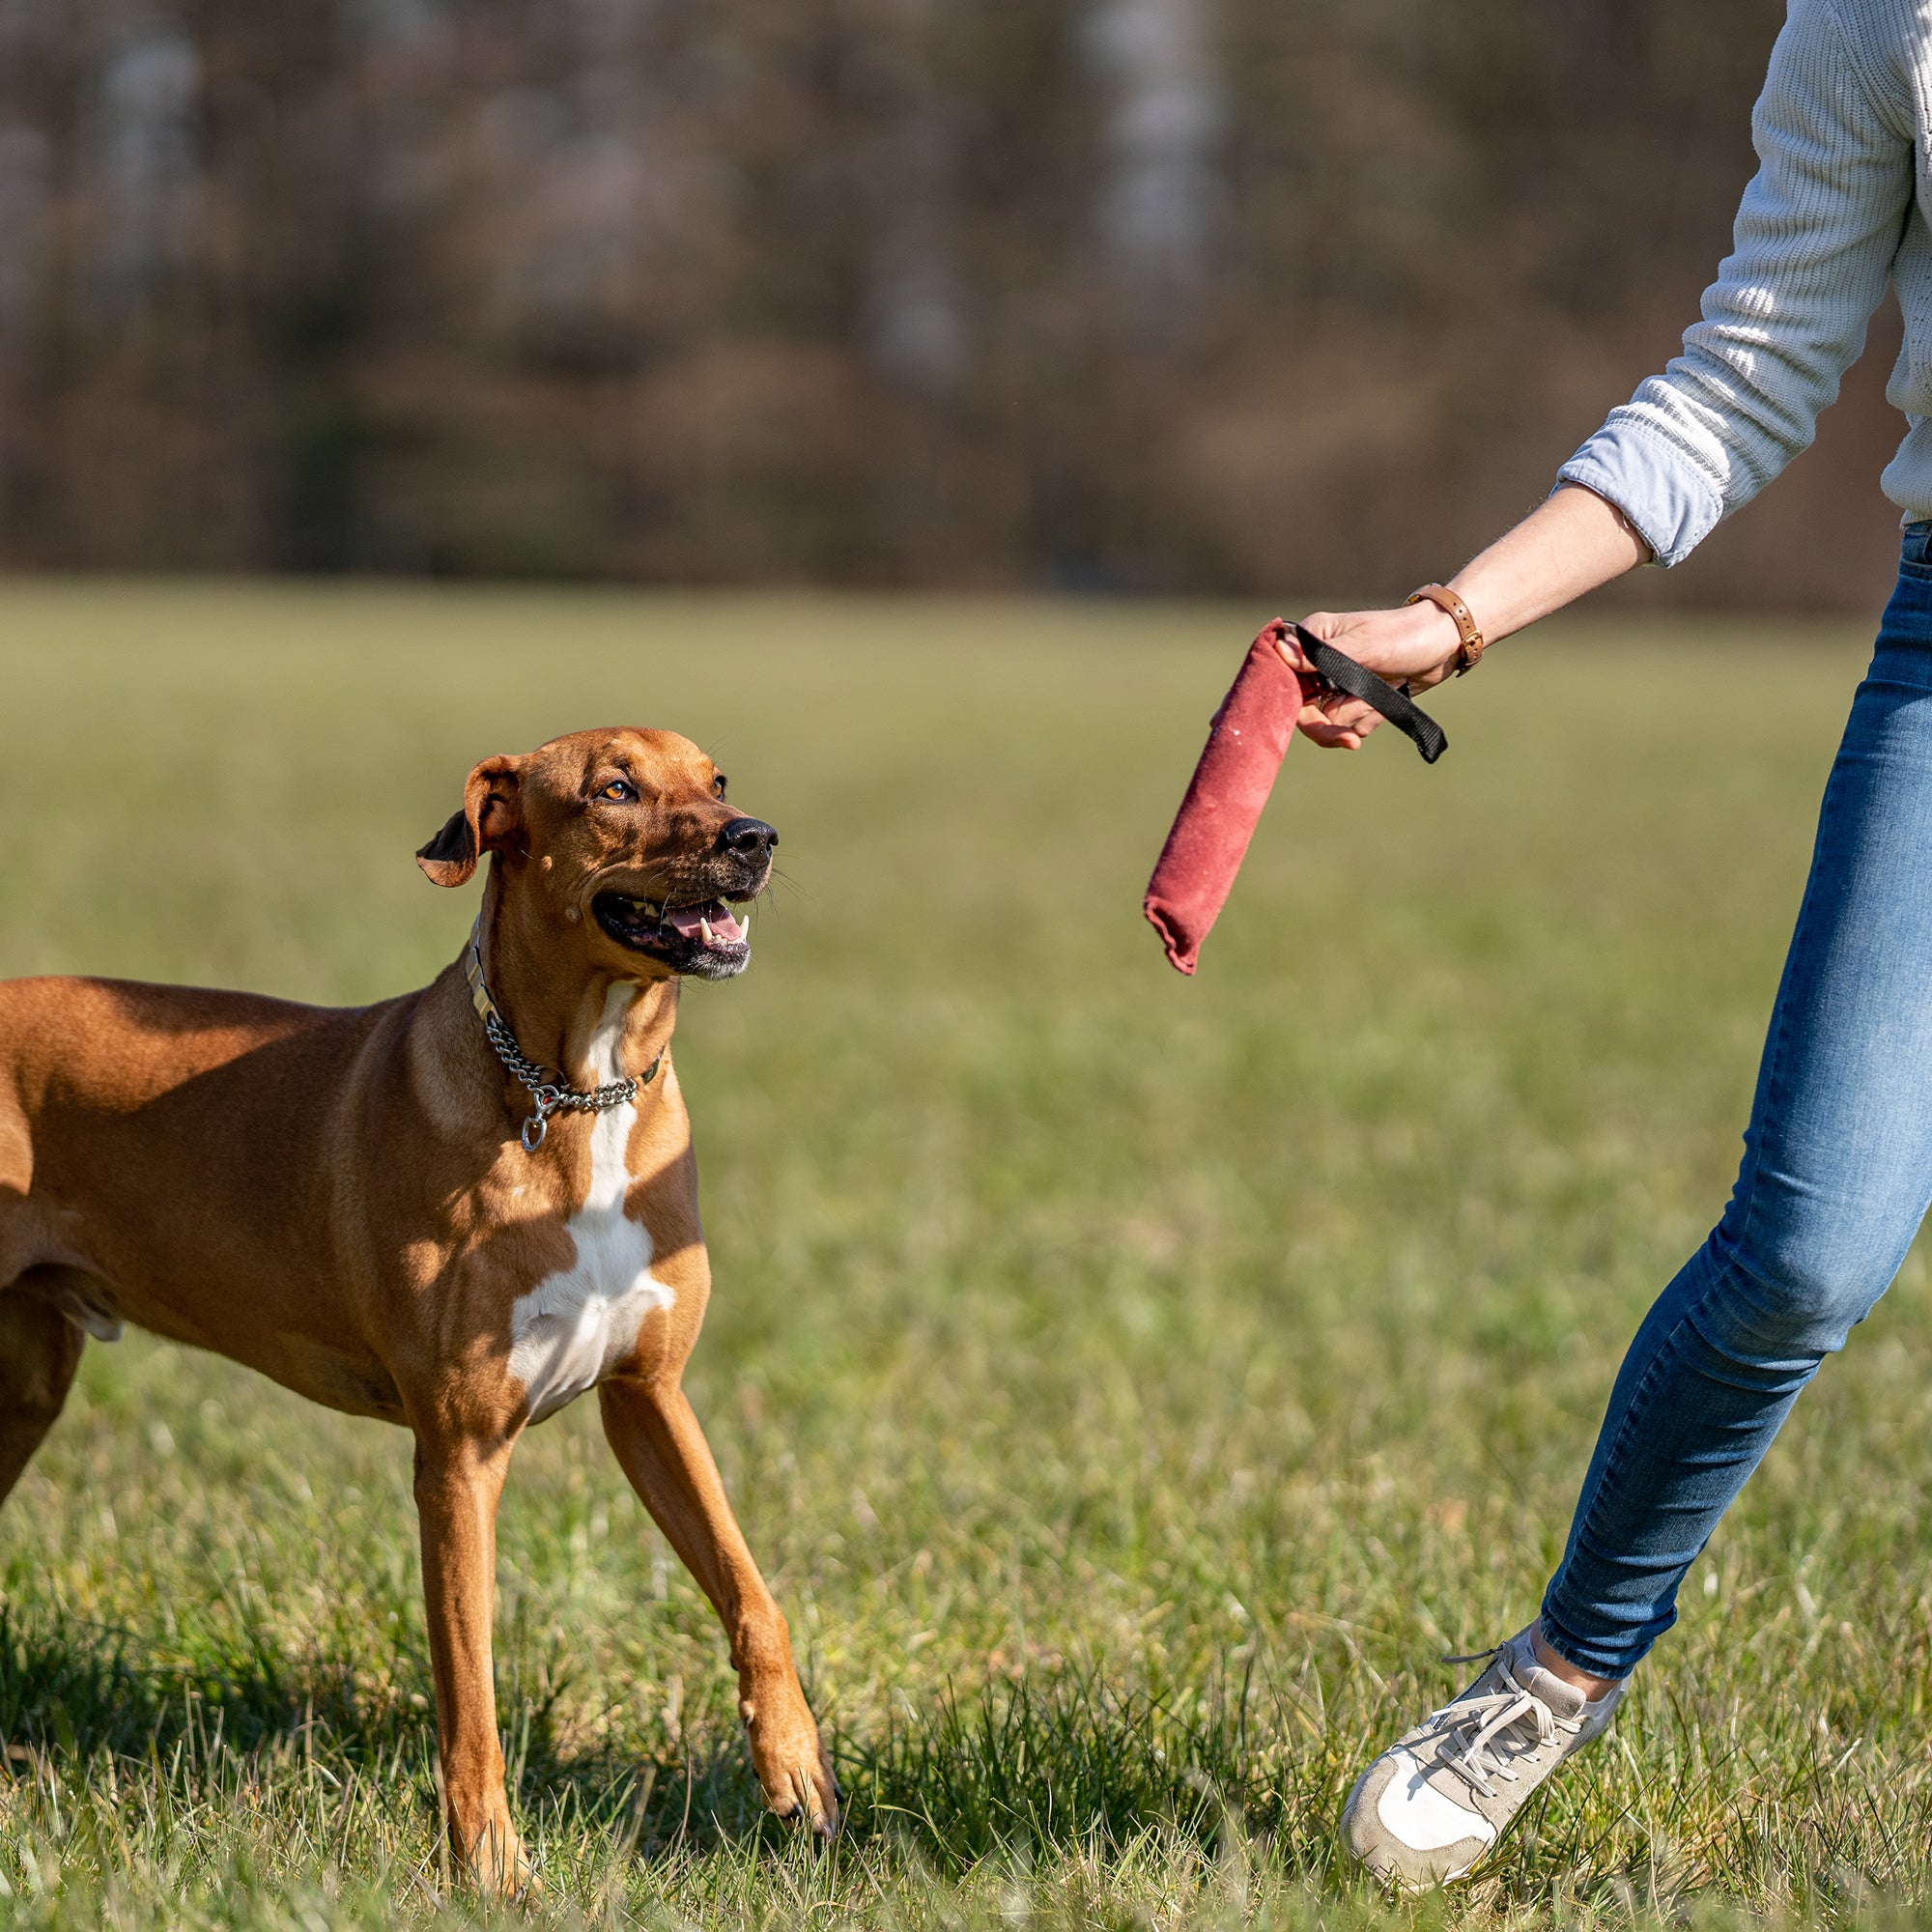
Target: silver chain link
{"type": "Point", "coordinates": [554, 1096]}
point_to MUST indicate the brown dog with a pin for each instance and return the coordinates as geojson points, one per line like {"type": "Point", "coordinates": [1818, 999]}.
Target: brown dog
{"type": "Point", "coordinates": [366, 1205]}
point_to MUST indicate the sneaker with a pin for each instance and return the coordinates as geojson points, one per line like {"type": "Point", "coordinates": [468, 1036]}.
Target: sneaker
{"type": "Point", "coordinates": [1443, 1795]}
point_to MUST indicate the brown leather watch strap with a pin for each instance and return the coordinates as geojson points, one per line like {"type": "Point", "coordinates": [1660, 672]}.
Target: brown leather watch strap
{"type": "Point", "coordinates": [1471, 643]}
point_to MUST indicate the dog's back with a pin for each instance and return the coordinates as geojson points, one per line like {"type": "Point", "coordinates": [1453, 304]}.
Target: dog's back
{"type": "Point", "coordinates": [159, 1140]}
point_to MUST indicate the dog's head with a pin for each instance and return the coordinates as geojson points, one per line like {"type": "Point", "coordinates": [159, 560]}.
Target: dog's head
{"type": "Point", "coordinates": [627, 837]}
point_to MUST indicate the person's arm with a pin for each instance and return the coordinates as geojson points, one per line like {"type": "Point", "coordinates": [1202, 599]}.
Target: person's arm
{"type": "Point", "coordinates": [1812, 250]}
{"type": "Point", "coordinates": [1573, 542]}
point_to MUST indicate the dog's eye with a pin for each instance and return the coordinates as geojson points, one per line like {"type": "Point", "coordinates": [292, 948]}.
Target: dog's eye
{"type": "Point", "coordinates": [621, 789]}
{"type": "Point", "coordinates": [718, 786]}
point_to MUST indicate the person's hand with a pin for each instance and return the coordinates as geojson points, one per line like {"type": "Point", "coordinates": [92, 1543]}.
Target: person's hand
{"type": "Point", "coordinates": [1415, 645]}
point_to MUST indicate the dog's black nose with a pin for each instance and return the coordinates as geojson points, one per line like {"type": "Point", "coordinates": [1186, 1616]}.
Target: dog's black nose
{"type": "Point", "coordinates": [746, 838]}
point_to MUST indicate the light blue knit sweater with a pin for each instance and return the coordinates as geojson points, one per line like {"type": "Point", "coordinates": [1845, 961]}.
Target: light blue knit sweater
{"type": "Point", "coordinates": [1839, 203]}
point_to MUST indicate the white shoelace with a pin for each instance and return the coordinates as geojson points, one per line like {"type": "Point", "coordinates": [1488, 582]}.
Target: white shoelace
{"type": "Point", "coordinates": [1486, 1751]}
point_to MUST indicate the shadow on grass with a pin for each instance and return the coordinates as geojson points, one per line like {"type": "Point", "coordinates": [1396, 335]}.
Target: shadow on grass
{"type": "Point", "coordinates": [80, 1688]}
{"type": "Point", "coordinates": [74, 1691]}
{"type": "Point", "coordinates": [1046, 1763]}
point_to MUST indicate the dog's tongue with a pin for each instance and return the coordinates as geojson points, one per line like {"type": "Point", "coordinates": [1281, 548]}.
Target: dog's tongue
{"type": "Point", "coordinates": [690, 922]}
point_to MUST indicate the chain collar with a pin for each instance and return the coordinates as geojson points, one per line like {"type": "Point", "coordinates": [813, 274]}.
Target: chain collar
{"type": "Point", "coordinates": [552, 1096]}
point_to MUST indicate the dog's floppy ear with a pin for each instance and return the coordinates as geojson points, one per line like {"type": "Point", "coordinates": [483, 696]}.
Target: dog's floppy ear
{"type": "Point", "coordinates": [492, 817]}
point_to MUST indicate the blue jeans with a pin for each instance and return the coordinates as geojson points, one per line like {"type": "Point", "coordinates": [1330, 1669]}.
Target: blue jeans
{"type": "Point", "coordinates": [1836, 1177]}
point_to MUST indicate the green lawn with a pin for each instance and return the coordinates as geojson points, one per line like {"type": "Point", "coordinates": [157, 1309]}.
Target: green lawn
{"type": "Point", "coordinates": [1131, 1386]}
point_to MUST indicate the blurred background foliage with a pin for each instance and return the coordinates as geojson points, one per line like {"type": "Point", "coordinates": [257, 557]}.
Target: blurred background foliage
{"type": "Point", "coordinates": [1139, 295]}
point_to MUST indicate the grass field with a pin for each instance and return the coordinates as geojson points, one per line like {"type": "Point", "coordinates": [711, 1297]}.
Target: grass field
{"type": "Point", "coordinates": [1132, 1387]}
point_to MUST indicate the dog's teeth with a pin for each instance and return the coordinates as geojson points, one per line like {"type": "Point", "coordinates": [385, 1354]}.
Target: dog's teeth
{"type": "Point", "coordinates": [704, 926]}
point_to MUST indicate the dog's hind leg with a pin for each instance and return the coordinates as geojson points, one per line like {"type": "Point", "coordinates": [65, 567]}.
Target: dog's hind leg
{"type": "Point", "coordinates": [39, 1351]}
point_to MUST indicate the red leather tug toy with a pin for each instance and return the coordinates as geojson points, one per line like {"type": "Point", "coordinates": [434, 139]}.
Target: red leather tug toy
{"type": "Point", "coordinates": [1246, 742]}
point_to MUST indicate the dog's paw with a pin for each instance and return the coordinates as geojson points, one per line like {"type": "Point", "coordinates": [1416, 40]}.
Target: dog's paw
{"type": "Point", "coordinates": [793, 1766]}
{"type": "Point", "coordinates": [499, 1865]}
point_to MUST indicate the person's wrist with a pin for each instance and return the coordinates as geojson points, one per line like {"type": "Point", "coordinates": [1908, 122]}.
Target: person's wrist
{"type": "Point", "coordinates": [1470, 643]}
{"type": "Point", "coordinates": [1476, 602]}
{"type": "Point", "coordinates": [1433, 630]}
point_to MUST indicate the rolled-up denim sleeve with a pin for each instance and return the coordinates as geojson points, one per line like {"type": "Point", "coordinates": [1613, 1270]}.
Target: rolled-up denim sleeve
{"type": "Point", "coordinates": [1810, 255]}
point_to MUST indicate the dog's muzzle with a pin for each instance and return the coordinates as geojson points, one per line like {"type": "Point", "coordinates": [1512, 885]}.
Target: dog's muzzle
{"type": "Point", "coordinates": [707, 933]}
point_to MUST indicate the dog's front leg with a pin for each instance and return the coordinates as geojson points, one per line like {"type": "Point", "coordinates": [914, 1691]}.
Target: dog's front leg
{"type": "Point", "coordinates": [459, 1482]}
{"type": "Point", "coordinates": [657, 1439]}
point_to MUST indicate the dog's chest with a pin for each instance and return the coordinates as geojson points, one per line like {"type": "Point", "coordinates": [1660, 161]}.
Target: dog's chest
{"type": "Point", "coordinates": [579, 1323]}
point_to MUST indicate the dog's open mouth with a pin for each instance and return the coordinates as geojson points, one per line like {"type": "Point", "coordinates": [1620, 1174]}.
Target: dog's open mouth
{"type": "Point", "coordinates": [708, 939]}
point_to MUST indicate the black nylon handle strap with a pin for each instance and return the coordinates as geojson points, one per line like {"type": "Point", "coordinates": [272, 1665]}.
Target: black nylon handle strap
{"type": "Point", "coordinates": [1337, 668]}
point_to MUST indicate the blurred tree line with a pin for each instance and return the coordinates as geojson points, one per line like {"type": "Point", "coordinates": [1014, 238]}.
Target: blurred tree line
{"type": "Point", "coordinates": [1167, 295]}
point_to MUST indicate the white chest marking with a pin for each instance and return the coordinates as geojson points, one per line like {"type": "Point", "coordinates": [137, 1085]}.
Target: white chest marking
{"type": "Point", "coordinates": [576, 1325]}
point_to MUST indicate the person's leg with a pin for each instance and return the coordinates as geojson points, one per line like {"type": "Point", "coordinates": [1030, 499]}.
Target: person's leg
{"type": "Point", "coordinates": [1836, 1177]}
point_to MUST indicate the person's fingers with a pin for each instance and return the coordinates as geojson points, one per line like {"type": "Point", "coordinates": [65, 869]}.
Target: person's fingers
{"type": "Point", "coordinates": [1342, 729]}
{"type": "Point", "coordinates": [1290, 649]}
{"type": "Point", "coordinates": [1337, 710]}
{"type": "Point", "coordinates": [1351, 715]}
